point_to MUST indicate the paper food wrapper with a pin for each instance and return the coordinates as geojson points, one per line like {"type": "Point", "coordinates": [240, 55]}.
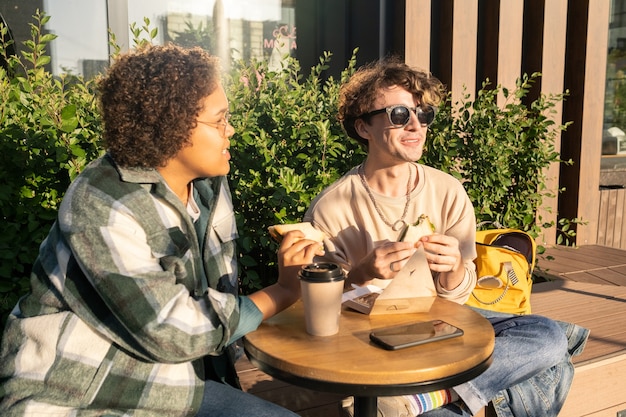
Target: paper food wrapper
{"type": "Point", "coordinates": [411, 291]}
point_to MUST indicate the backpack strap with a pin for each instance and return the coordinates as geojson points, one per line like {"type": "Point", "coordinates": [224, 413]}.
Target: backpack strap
{"type": "Point", "coordinates": [510, 273]}
{"type": "Point", "coordinates": [511, 276]}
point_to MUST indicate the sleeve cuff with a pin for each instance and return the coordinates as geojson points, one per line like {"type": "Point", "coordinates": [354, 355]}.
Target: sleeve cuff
{"type": "Point", "coordinates": [250, 317]}
{"type": "Point", "coordinates": [462, 292]}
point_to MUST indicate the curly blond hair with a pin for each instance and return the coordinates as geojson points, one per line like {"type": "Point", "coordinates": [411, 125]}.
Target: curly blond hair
{"type": "Point", "coordinates": [357, 96]}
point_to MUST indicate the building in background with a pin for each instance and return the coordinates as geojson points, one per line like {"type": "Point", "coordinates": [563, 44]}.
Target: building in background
{"type": "Point", "coordinates": [231, 29]}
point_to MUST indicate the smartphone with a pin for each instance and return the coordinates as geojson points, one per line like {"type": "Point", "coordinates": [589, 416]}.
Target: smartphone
{"type": "Point", "coordinates": [407, 335]}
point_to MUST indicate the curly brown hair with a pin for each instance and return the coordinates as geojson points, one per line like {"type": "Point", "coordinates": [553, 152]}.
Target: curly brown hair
{"type": "Point", "coordinates": [150, 100]}
{"type": "Point", "coordinates": [357, 96]}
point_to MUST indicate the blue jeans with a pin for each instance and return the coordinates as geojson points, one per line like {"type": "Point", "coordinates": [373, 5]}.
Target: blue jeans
{"type": "Point", "coordinates": [531, 370]}
{"type": "Point", "coordinates": [225, 401]}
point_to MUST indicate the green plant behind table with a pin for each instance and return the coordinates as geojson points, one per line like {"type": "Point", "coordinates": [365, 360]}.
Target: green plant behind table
{"type": "Point", "coordinates": [49, 128]}
{"type": "Point", "coordinates": [289, 145]}
{"type": "Point", "coordinates": [500, 152]}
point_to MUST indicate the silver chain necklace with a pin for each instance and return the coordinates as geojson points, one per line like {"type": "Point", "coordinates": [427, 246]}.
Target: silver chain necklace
{"type": "Point", "coordinates": [400, 223]}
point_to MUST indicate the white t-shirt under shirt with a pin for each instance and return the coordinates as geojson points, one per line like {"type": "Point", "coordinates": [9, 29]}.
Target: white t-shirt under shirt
{"type": "Point", "coordinates": [345, 212]}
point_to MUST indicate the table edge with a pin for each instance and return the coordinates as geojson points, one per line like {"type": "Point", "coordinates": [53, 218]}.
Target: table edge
{"type": "Point", "coordinates": [360, 389]}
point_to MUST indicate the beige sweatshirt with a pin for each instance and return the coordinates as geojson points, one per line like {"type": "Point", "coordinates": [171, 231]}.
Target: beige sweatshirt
{"type": "Point", "coordinates": [345, 212]}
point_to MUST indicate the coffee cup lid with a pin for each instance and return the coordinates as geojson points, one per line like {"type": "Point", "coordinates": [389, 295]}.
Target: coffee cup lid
{"type": "Point", "coordinates": [322, 272]}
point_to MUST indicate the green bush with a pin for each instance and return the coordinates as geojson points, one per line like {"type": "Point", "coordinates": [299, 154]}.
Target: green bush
{"type": "Point", "coordinates": [288, 147]}
{"type": "Point", "coordinates": [500, 152]}
{"type": "Point", "coordinates": [49, 129]}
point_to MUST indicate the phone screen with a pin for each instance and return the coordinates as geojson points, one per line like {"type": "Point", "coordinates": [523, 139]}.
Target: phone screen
{"type": "Point", "coordinates": [398, 337]}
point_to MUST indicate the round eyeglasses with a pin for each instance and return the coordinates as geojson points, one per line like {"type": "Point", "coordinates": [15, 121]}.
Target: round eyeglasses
{"type": "Point", "coordinates": [224, 122]}
{"type": "Point", "coordinates": [399, 115]}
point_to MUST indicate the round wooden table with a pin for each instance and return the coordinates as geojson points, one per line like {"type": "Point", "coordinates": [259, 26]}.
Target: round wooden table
{"type": "Point", "coordinates": [349, 363]}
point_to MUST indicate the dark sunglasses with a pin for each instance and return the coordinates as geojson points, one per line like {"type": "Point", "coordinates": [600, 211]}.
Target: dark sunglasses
{"type": "Point", "coordinates": [400, 115]}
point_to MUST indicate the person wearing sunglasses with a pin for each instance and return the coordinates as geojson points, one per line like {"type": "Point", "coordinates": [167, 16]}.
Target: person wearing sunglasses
{"type": "Point", "coordinates": [387, 107]}
{"type": "Point", "coordinates": [134, 307]}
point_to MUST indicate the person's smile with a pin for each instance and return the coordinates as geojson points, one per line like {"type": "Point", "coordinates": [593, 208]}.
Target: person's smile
{"type": "Point", "coordinates": [411, 140]}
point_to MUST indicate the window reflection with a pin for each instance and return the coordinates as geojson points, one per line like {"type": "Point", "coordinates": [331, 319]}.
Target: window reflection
{"type": "Point", "coordinates": [233, 29]}
{"type": "Point", "coordinates": [81, 46]}
{"type": "Point", "coordinates": [613, 167]}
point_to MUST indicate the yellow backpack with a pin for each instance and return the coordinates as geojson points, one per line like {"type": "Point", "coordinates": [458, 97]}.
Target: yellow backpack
{"type": "Point", "coordinates": [504, 265]}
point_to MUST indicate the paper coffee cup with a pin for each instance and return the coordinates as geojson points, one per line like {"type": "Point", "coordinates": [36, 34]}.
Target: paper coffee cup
{"type": "Point", "coordinates": [322, 287]}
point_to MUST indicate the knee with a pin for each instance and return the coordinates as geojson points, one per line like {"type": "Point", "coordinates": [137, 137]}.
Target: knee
{"type": "Point", "coordinates": [537, 333]}
{"type": "Point", "coordinates": [551, 336]}
{"type": "Point", "coordinates": [551, 331]}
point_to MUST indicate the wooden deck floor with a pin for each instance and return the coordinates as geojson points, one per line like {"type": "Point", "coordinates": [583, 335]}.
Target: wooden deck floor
{"type": "Point", "coordinates": [592, 263]}
{"type": "Point", "coordinates": [304, 402]}
{"type": "Point", "coordinates": [586, 286]}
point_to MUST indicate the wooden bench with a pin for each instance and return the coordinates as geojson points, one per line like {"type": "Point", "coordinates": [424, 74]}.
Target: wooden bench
{"type": "Point", "coordinates": [586, 286]}
{"type": "Point", "coordinates": [304, 402]}
{"type": "Point", "coordinates": [598, 386]}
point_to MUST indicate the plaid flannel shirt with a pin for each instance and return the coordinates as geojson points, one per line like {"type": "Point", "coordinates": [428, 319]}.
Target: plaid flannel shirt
{"type": "Point", "coordinates": [120, 314]}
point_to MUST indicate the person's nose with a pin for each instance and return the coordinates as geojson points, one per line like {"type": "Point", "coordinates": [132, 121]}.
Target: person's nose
{"type": "Point", "coordinates": [229, 130]}
{"type": "Point", "coordinates": [414, 123]}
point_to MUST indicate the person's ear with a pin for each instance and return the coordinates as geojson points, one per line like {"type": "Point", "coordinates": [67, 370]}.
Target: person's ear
{"type": "Point", "coordinates": [362, 128]}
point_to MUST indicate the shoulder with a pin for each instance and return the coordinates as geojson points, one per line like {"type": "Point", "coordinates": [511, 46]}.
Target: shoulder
{"type": "Point", "coordinates": [343, 184]}
{"type": "Point", "coordinates": [338, 191]}
{"type": "Point", "coordinates": [439, 176]}
{"type": "Point", "coordinates": [100, 190]}
{"type": "Point", "coordinates": [440, 183]}
{"type": "Point", "coordinates": [103, 177]}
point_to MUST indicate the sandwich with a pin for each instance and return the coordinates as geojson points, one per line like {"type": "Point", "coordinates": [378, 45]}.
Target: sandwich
{"type": "Point", "coordinates": [414, 232]}
{"type": "Point", "coordinates": [277, 231]}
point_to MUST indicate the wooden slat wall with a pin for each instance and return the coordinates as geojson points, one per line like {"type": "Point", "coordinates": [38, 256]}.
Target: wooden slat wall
{"type": "Point", "coordinates": [611, 221]}
{"type": "Point", "coordinates": [418, 22]}
{"type": "Point", "coordinates": [552, 67]}
{"type": "Point", "coordinates": [117, 13]}
{"type": "Point", "coordinates": [510, 44]}
{"type": "Point", "coordinates": [592, 120]}
{"type": "Point", "coordinates": [464, 48]}
{"type": "Point", "coordinates": [564, 37]}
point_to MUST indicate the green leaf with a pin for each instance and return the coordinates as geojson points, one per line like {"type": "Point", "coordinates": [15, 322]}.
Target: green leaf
{"type": "Point", "coordinates": [47, 37]}
{"type": "Point", "coordinates": [69, 121]}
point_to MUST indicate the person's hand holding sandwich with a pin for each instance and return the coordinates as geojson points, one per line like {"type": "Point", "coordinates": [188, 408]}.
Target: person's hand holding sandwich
{"type": "Point", "coordinates": [297, 247]}
{"type": "Point", "coordinates": [442, 253]}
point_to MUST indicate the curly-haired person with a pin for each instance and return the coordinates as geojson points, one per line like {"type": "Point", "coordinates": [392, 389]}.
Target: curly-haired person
{"type": "Point", "coordinates": [387, 107]}
{"type": "Point", "coordinates": [134, 305]}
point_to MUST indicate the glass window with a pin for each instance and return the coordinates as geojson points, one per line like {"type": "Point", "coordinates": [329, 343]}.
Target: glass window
{"type": "Point", "coordinates": [230, 29]}
{"type": "Point", "coordinates": [613, 166]}
{"type": "Point", "coordinates": [81, 47]}
{"type": "Point", "coordinates": [82, 43]}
